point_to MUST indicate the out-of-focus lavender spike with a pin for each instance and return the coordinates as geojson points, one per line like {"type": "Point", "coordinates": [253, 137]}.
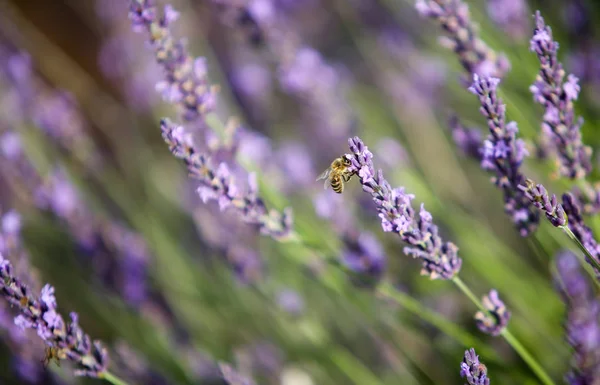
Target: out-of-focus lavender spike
{"type": "Point", "coordinates": [512, 16]}
{"type": "Point", "coordinates": [538, 195]}
{"type": "Point", "coordinates": [582, 232]}
{"type": "Point", "coordinates": [186, 83]}
{"type": "Point", "coordinates": [585, 64]}
{"type": "Point", "coordinates": [557, 95]}
{"type": "Point", "coordinates": [473, 370]}
{"type": "Point", "coordinates": [503, 154]}
{"type": "Point", "coordinates": [246, 263]}
{"type": "Point", "coordinates": [54, 112]}
{"type": "Point", "coordinates": [260, 359]}
{"type": "Point", "coordinates": [468, 140]}
{"type": "Point", "coordinates": [40, 313]}
{"type": "Point", "coordinates": [440, 259]}
{"type": "Point", "coordinates": [582, 322]}
{"type": "Point", "coordinates": [291, 302]}
{"type": "Point", "coordinates": [216, 183]}
{"type": "Point", "coordinates": [588, 198]}
{"type": "Point", "coordinates": [496, 319]}
{"type": "Point", "coordinates": [474, 55]}
{"type": "Point", "coordinates": [232, 376]}
{"type": "Point", "coordinates": [363, 255]}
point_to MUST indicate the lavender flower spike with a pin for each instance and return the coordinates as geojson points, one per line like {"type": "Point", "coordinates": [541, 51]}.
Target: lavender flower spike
{"type": "Point", "coordinates": [473, 370]}
{"type": "Point", "coordinates": [440, 259]}
{"type": "Point", "coordinates": [474, 55]}
{"type": "Point", "coordinates": [503, 154]}
{"type": "Point", "coordinates": [497, 317]}
{"type": "Point", "coordinates": [538, 195]}
{"type": "Point", "coordinates": [186, 81]}
{"type": "Point", "coordinates": [40, 313]}
{"type": "Point", "coordinates": [582, 232]}
{"type": "Point", "coordinates": [557, 96]}
{"type": "Point", "coordinates": [218, 184]}
{"type": "Point", "coordinates": [582, 323]}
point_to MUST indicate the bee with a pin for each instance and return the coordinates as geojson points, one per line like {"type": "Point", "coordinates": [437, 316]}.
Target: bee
{"type": "Point", "coordinates": [337, 174]}
{"type": "Point", "coordinates": [53, 353]}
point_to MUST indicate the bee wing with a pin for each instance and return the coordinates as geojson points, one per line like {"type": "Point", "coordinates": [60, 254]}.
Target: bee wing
{"type": "Point", "coordinates": [324, 175]}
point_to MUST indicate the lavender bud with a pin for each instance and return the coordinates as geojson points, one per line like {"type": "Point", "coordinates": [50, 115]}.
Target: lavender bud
{"type": "Point", "coordinates": [503, 154]}
{"type": "Point", "coordinates": [495, 320]}
{"type": "Point", "coordinates": [474, 55]}
{"type": "Point", "coordinates": [557, 95]}
{"type": "Point", "coordinates": [474, 371]}
{"type": "Point", "coordinates": [582, 232]}
{"type": "Point", "coordinates": [440, 259]}
{"type": "Point", "coordinates": [538, 195]}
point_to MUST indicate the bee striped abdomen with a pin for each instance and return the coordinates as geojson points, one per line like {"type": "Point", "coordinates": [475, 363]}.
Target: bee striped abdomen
{"type": "Point", "coordinates": [337, 184]}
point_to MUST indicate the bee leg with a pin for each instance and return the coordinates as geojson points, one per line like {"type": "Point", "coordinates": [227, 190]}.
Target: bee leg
{"type": "Point", "coordinates": [347, 177]}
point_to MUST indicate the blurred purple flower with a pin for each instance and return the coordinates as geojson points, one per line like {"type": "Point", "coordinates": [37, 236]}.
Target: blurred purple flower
{"type": "Point", "coordinates": [503, 154]}
{"type": "Point", "coordinates": [557, 95]}
{"type": "Point", "coordinates": [440, 259]}
{"type": "Point", "coordinates": [232, 377]}
{"type": "Point", "coordinates": [40, 313]}
{"type": "Point", "coordinates": [510, 15]}
{"type": "Point", "coordinates": [474, 55]}
{"type": "Point", "coordinates": [468, 140]}
{"type": "Point", "coordinates": [291, 302]}
{"type": "Point", "coordinates": [186, 83]}
{"type": "Point", "coordinates": [583, 320]}
{"type": "Point", "coordinates": [217, 184]}
{"type": "Point", "coordinates": [363, 255]}
{"type": "Point", "coordinates": [474, 370]}
{"type": "Point", "coordinates": [497, 319]}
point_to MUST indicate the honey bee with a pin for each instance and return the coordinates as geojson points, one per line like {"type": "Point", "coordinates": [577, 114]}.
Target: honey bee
{"type": "Point", "coordinates": [53, 353]}
{"type": "Point", "coordinates": [337, 174]}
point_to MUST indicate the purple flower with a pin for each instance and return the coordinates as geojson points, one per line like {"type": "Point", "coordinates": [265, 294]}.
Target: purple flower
{"type": "Point", "coordinates": [291, 302]}
{"type": "Point", "coordinates": [186, 82]}
{"type": "Point", "coordinates": [583, 320]}
{"type": "Point", "coordinates": [510, 15]}
{"type": "Point", "coordinates": [474, 371]}
{"type": "Point", "coordinates": [40, 313]}
{"type": "Point", "coordinates": [440, 259]}
{"type": "Point", "coordinates": [496, 319]}
{"type": "Point", "coordinates": [582, 232]}
{"type": "Point", "coordinates": [232, 377]}
{"type": "Point", "coordinates": [462, 37]}
{"type": "Point", "coordinates": [538, 195]}
{"type": "Point", "coordinates": [557, 95]}
{"type": "Point", "coordinates": [218, 184]}
{"type": "Point", "coordinates": [364, 257]}
{"type": "Point", "coordinates": [468, 140]}
{"type": "Point", "coordinates": [503, 154]}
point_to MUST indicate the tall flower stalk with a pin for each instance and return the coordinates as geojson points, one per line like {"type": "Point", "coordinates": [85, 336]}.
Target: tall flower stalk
{"type": "Point", "coordinates": [439, 259]}
{"type": "Point", "coordinates": [557, 96]}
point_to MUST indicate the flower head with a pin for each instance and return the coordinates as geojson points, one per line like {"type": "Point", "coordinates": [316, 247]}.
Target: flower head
{"type": "Point", "coordinates": [473, 370]}
{"type": "Point", "coordinates": [440, 259]}
{"type": "Point", "coordinates": [497, 316]}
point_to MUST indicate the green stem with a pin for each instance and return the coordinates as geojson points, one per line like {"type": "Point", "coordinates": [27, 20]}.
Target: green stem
{"type": "Point", "coordinates": [108, 376]}
{"type": "Point", "coordinates": [512, 340]}
{"type": "Point", "coordinates": [592, 260]}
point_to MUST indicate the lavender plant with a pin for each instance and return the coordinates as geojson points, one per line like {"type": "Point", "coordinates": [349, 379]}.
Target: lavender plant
{"type": "Point", "coordinates": [473, 370]}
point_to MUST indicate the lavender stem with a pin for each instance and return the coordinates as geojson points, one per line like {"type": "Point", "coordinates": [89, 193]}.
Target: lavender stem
{"type": "Point", "coordinates": [508, 337]}
{"type": "Point", "coordinates": [589, 256]}
{"type": "Point", "coordinates": [109, 377]}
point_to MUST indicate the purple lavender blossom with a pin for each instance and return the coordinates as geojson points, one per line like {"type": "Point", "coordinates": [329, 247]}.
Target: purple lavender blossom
{"type": "Point", "coordinates": [582, 322]}
{"type": "Point", "coordinates": [217, 183]}
{"type": "Point", "coordinates": [582, 232]}
{"type": "Point", "coordinates": [186, 81]}
{"type": "Point", "coordinates": [440, 259]}
{"type": "Point", "coordinates": [510, 15]}
{"type": "Point", "coordinates": [474, 55]}
{"type": "Point", "coordinates": [473, 370]}
{"type": "Point", "coordinates": [557, 95]}
{"type": "Point", "coordinates": [538, 195]}
{"type": "Point", "coordinates": [291, 302]}
{"type": "Point", "coordinates": [468, 140]}
{"type": "Point", "coordinates": [363, 255]}
{"type": "Point", "coordinates": [503, 154]}
{"type": "Point", "coordinates": [588, 198]}
{"type": "Point", "coordinates": [232, 377]}
{"type": "Point", "coordinates": [496, 319]}
{"type": "Point", "coordinates": [40, 313]}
